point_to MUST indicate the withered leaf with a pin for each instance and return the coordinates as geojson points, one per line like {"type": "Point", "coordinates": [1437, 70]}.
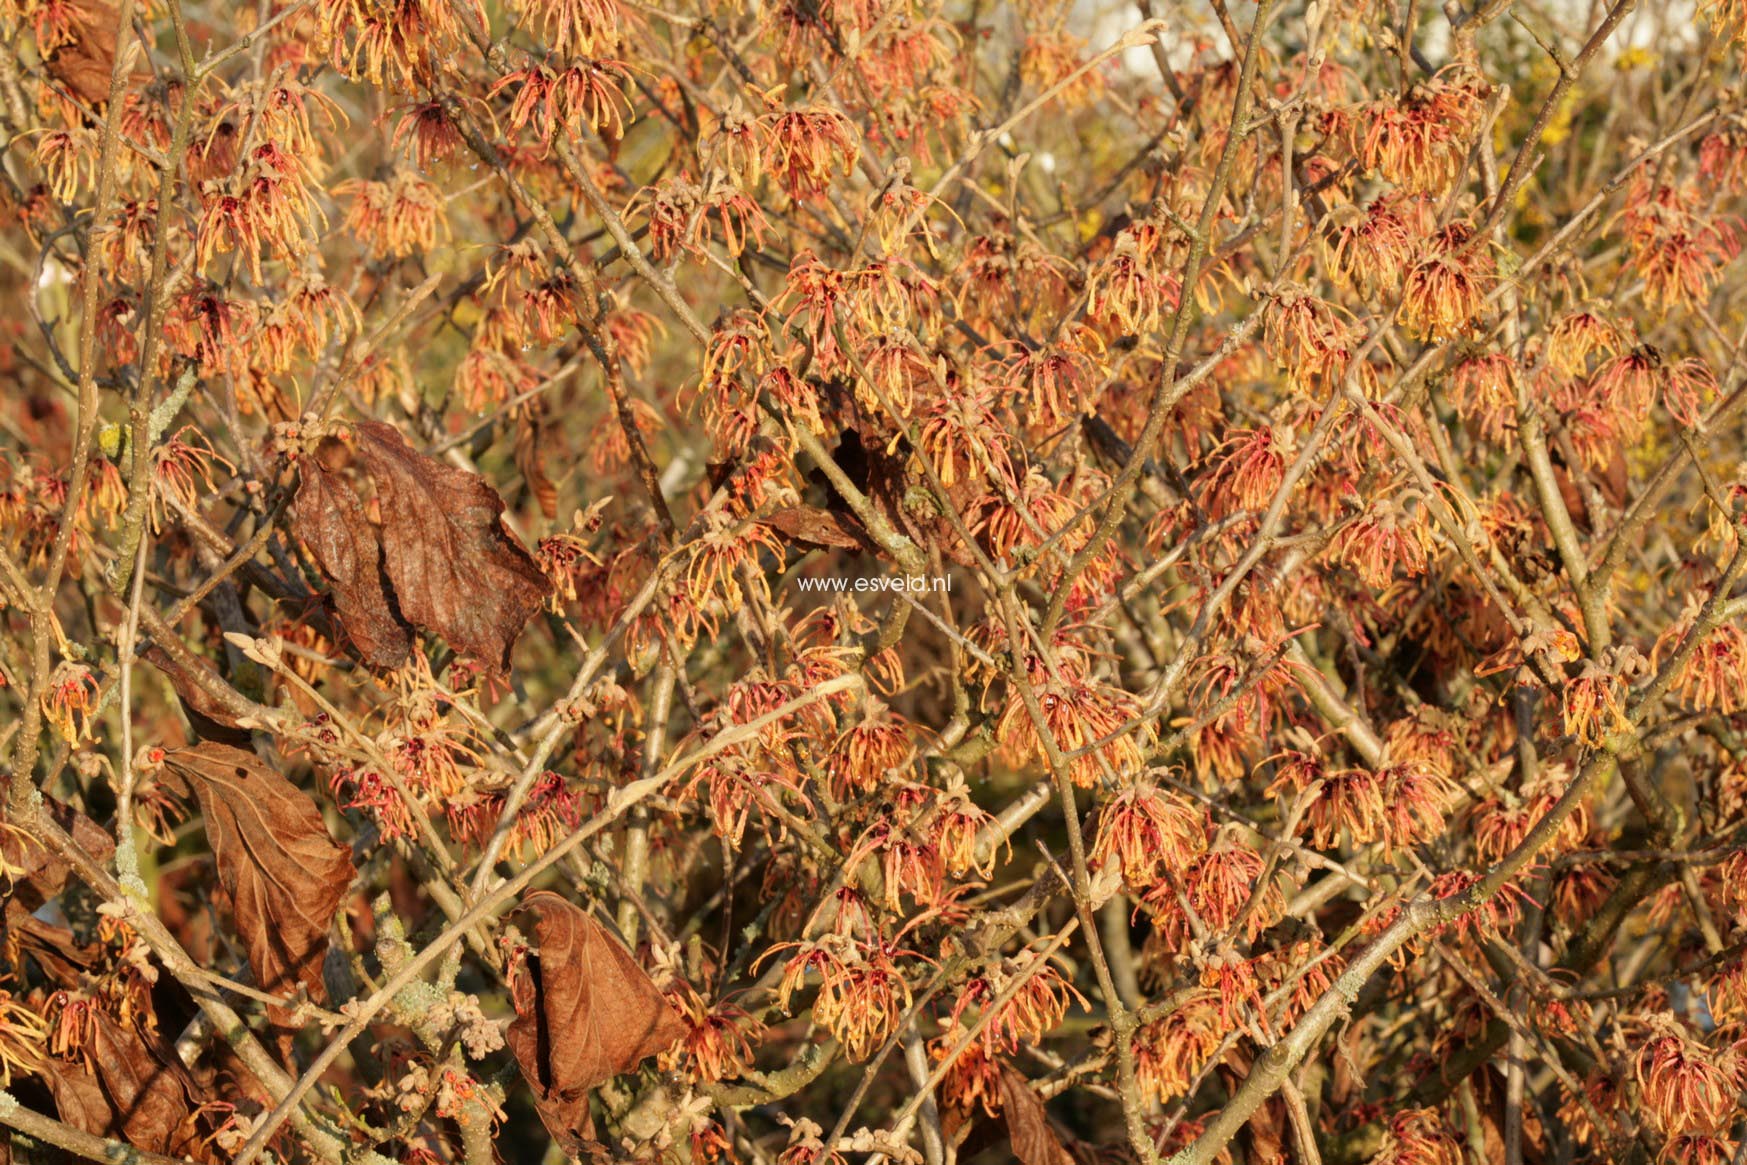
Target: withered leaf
{"type": "Point", "coordinates": [455, 570]}
{"type": "Point", "coordinates": [43, 872]}
{"type": "Point", "coordinates": [130, 1087]}
{"type": "Point", "coordinates": [86, 63]}
{"type": "Point", "coordinates": [813, 526]}
{"type": "Point", "coordinates": [330, 520]}
{"type": "Point", "coordinates": [1034, 1141]}
{"type": "Point", "coordinates": [531, 459]}
{"type": "Point", "coordinates": [284, 875]}
{"type": "Point", "coordinates": [61, 958]}
{"type": "Point", "coordinates": [210, 718]}
{"type": "Point", "coordinates": [585, 1012]}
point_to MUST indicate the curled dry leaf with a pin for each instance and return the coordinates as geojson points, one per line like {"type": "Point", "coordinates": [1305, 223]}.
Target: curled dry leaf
{"type": "Point", "coordinates": [1034, 1141]}
{"type": "Point", "coordinates": [439, 560]}
{"type": "Point", "coordinates": [285, 876]}
{"type": "Point", "coordinates": [130, 1086]}
{"type": "Point", "coordinates": [531, 445]}
{"type": "Point", "coordinates": [815, 527]}
{"type": "Point", "coordinates": [37, 873]}
{"type": "Point", "coordinates": [585, 1011]}
{"type": "Point", "coordinates": [330, 519]}
{"type": "Point", "coordinates": [454, 568]}
{"type": "Point", "coordinates": [85, 63]}
{"type": "Point", "coordinates": [206, 713]}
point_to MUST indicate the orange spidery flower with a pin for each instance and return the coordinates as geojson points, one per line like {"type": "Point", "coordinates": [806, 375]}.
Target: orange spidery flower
{"type": "Point", "coordinates": [864, 756]}
{"type": "Point", "coordinates": [1347, 800]}
{"type": "Point", "coordinates": [1417, 1136]}
{"type": "Point", "coordinates": [823, 295]}
{"type": "Point", "coordinates": [1489, 918]}
{"type": "Point", "coordinates": [1420, 142]}
{"type": "Point", "coordinates": [872, 998]}
{"type": "Point", "coordinates": [958, 825]}
{"type": "Point", "coordinates": [69, 700]}
{"type": "Point", "coordinates": [1169, 1053]}
{"type": "Point", "coordinates": [1713, 676]}
{"type": "Point", "coordinates": [1444, 292]}
{"type": "Point", "coordinates": [576, 28]}
{"type": "Point", "coordinates": [1722, 156]}
{"type": "Point", "coordinates": [738, 785]}
{"type": "Point", "coordinates": [1631, 382]}
{"type": "Point", "coordinates": [1244, 471]}
{"type": "Point", "coordinates": [391, 41]}
{"type": "Point", "coordinates": [398, 218]}
{"type": "Point", "coordinates": [961, 436]}
{"type": "Point", "coordinates": [720, 1039]}
{"type": "Point", "coordinates": [1576, 336]}
{"type": "Point", "coordinates": [589, 95]}
{"type": "Point", "coordinates": [1483, 389]}
{"type": "Point", "coordinates": [1126, 289]}
{"type": "Point", "coordinates": [1728, 18]}
{"type": "Point", "coordinates": [826, 956]}
{"type": "Point", "coordinates": [71, 1018]}
{"type": "Point", "coordinates": [1304, 335]}
{"type": "Point", "coordinates": [1686, 1087]}
{"type": "Point", "coordinates": [1678, 250]}
{"type": "Point", "coordinates": [908, 865]}
{"type": "Point", "coordinates": [23, 1035]}
{"type": "Point", "coordinates": [182, 469]}
{"type": "Point", "coordinates": [105, 493]}
{"type": "Point", "coordinates": [1371, 249]}
{"type": "Point", "coordinates": [1036, 510]}
{"type": "Point", "coordinates": [68, 159]}
{"type": "Point", "coordinates": [126, 243]}
{"type": "Point", "coordinates": [973, 1081]}
{"type": "Point", "coordinates": [725, 550]}
{"type": "Point", "coordinates": [1697, 1149]}
{"type": "Point", "coordinates": [805, 146]}
{"type": "Point", "coordinates": [1690, 384]}
{"type": "Point", "coordinates": [1416, 798]}
{"type": "Point", "coordinates": [1726, 990]}
{"type": "Point", "coordinates": [895, 363]}
{"type": "Point", "coordinates": [1223, 880]}
{"type": "Point", "coordinates": [1048, 59]}
{"type": "Point", "coordinates": [1384, 541]}
{"type": "Point", "coordinates": [1057, 381]}
{"type": "Point", "coordinates": [373, 793]}
{"type": "Point", "coordinates": [56, 23]}
{"type": "Point", "coordinates": [1079, 714]}
{"type": "Point", "coordinates": [1593, 707]}
{"type": "Point", "coordinates": [742, 219]}
{"type": "Point", "coordinates": [985, 275]}
{"type": "Point", "coordinates": [1147, 832]}
{"type": "Point", "coordinates": [1234, 983]}
{"type": "Point", "coordinates": [1499, 826]}
{"type": "Point", "coordinates": [736, 144]}
{"type": "Point", "coordinates": [427, 133]}
{"type": "Point", "coordinates": [1034, 1009]}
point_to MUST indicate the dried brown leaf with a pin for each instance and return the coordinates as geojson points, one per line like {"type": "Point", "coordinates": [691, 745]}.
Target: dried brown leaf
{"type": "Point", "coordinates": [328, 516]}
{"type": "Point", "coordinates": [455, 570]}
{"type": "Point", "coordinates": [1034, 1141]}
{"type": "Point", "coordinates": [285, 876]}
{"type": "Point", "coordinates": [813, 526]}
{"type": "Point", "coordinates": [130, 1087]}
{"type": "Point", "coordinates": [38, 873]}
{"type": "Point", "coordinates": [208, 715]}
{"type": "Point", "coordinates": [63, 959]}
{"type": "Point", "coordinates": [531, 440]}
{"type": "Point", "coordinates": [85, 64]}
{"type": "Point", "coordinates": [585, 1012]}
